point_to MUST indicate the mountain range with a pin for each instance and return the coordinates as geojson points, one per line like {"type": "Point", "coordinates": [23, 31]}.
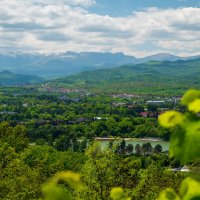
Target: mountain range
{"type": "Point", "coordinates": [69, 63]}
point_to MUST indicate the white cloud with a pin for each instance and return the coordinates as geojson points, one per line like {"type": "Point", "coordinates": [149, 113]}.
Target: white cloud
{"type": "Point", "coordinates": [68, 25]}
{"type": "Point", "coordinates": [83, 3]}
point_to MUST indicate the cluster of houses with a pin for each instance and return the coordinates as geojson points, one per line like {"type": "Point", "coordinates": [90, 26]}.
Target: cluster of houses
{"type": "Point", "coordinates": [8, 113]}
{"type": "Point", "coordinates": [50, 89]}
{"type": "Point", "coordinates": [160, 105]}
{"type": "Point", "coordinates": [56, 122]}
{"type": "Point", "coordinates": [125, 96]}
{"type": "Point", "coordinates": [147, 97]}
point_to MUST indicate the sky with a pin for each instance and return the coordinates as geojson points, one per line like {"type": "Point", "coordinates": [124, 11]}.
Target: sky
{"type": "Point", "coordinates": [135, 27]}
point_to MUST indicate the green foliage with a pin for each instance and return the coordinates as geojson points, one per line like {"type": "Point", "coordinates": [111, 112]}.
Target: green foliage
{"type": "Point", "coordinates": [185, 144]}
{"type": "Point", "coordinates": [190, 96]}
{"type": "Point", "coordinates": [17, 180]}
{"type": "Point", "coordinates": [168, 194]}
{"type": "Point", "coordinates": [24, 168]}
{"type": "Point", "coordinates": [194, 106]}
{"type": "Point", "coordinates": [54, 192]}
{"type": "Point", "coordinates": [183, 140]}
{"type": "Point", "coordinates": [14, 136]}
{"type": "Point", "coordinates": [49, 161]}
{"type": "Point", "coordinates": [59, 186]}
{"type": "Point", "coordinates": [153, 179]}
{"type": "Point", "coordinates": [98, 173]}
{"type": "Point", "coordinates": [117, 193]}
{"type": "Point", "coordinates": [59, 121]}
{"type": "Point", "coordinates": [158, 148]}
{"type": "Point", "coordinates": [170, 119]}
{"type": "Point", "coordinates": [190, 190]}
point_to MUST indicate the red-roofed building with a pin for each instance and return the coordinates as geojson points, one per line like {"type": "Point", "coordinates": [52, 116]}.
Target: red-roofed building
{"type": "Point", "coordinates": [144, 114]}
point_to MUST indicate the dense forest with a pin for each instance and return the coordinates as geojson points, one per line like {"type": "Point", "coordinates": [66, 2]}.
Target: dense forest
{"type": "Point", "coordinates": [53, 117]}
{"type": "Point", "coordinates": [44, 131]}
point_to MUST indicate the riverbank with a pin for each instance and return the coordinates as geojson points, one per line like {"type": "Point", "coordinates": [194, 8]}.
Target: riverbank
{"type": "Point", "coordinates": [130, 139]}
{"type": "Point", "coordinates": [104, 142]}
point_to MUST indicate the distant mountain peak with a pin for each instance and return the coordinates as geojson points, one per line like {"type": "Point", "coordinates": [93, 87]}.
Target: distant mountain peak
{"type": "Point", "coordinates": [6, 72]}
{"type": "Point", "coordinates": [8, 78]}
{"type": "Point", "coordinates": [163, 54]}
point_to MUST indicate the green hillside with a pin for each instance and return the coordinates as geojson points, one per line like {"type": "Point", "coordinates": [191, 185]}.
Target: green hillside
{"type": "Point", "coordinates": [152, 78]}
{"type": "Point", "coordinates": [8, 78]}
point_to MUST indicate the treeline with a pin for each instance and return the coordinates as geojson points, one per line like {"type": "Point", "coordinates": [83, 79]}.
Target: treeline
{"type": "Point", "coordinates": [124, 127]}
{"type": "Point", "coordinates": [144, 149]}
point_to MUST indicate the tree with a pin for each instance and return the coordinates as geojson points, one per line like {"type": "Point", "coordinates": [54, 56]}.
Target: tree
{"type": "Point", "coordinates": [98, 173]}
{"type": "Point", "coordinates": [17, 179]}
{"type": "Point", "coordinates": [158, 148]}
{"type": "Point", "coordinates": [129, 149]}
{"type": "Point", "coordinates": [121, 147]}
{"type": "Point", "coordinates": [110, 144]}
{"type": "Point", "coordinates": [14, 136]}
{"type": "Point", "coordinates": [138, 149]}
{"type": "Point", "coordinates": [63, 143]}
{"type": "Point", "coordinates": [147, 148]}
{"type": "Point", "coordinates": [83, 145]}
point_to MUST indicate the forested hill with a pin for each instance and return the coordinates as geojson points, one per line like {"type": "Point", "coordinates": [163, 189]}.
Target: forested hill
{"type": "Point", "coordinates": [152, 77]}
{"type": "Point", "coordinates": [8, 78]}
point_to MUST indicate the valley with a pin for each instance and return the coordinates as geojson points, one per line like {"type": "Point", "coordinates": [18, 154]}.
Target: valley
{"type": "Point", "coordinates": [99, 100]}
